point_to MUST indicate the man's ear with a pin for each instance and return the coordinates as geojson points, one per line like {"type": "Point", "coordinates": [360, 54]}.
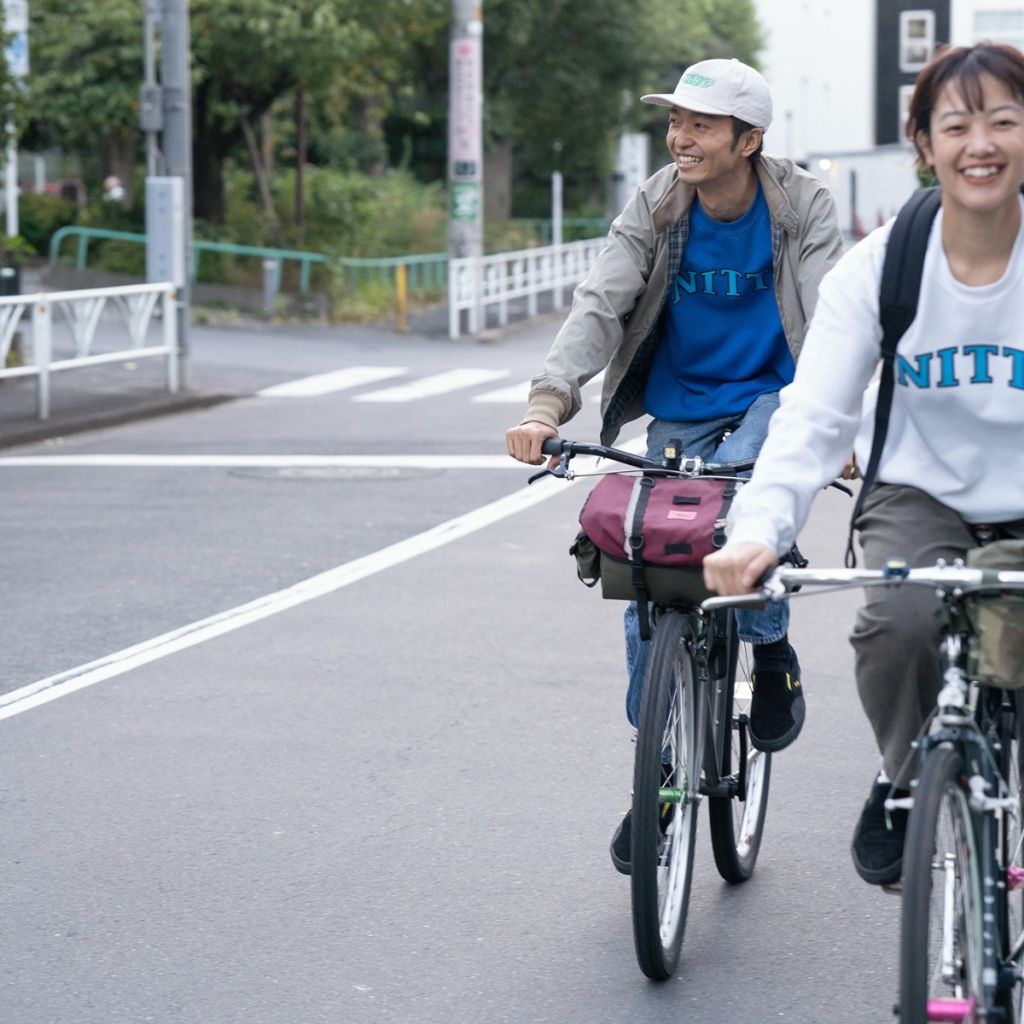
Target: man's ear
{"type": "Point", "coordinates": [750, 140]}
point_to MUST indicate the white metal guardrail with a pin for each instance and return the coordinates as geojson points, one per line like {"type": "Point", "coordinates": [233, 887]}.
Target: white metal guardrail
{"type": "Point", "coordinates": [82, 311]}
{"type": "Point", "coordinates": [476, 286]}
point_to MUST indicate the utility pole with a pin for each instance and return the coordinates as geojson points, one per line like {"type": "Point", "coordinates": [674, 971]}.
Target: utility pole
{"type": "Point", "coordinates": [465, 131]}
{"type": "Point", "coordinates": [166, 112]}
{"type": "Point", "coordinates": [16, 23]}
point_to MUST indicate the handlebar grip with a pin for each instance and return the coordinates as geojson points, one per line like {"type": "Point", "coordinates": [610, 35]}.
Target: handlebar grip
{"type": "Point", "coordinates": [551, 446]}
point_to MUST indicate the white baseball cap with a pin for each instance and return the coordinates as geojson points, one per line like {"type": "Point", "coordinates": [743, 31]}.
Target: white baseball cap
{"type": "Point", "coordinates": [720, 86]}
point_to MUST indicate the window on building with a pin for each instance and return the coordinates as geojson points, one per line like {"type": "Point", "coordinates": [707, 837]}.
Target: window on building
{"type": "Point", "coordinates": [1006, 26]}
{"type": "Point", "coordinates": [917, 39]}
{"type": "Point", "coordinates": [906, 91]}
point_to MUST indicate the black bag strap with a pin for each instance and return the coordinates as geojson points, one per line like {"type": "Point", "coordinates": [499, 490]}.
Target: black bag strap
{"type": "Point", "coordinates": [638, 507]}
{"type": "Point", "coordinates": [897, 306]}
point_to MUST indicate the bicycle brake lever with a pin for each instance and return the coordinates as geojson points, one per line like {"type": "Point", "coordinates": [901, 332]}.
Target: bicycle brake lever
{"type": "Point", "coordinates": [840, 487]}
{"type": "Point", "coordinates": [561, 471]}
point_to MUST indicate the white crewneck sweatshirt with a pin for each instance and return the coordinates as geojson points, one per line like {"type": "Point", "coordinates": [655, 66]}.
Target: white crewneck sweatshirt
{"type": "Point", "coordinates": [955, 430]}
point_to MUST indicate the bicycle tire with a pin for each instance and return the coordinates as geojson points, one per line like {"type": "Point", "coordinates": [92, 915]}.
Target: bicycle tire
{"type": "Point", "coordinates": [941, 897]}
{"type": "Point", "coordinates": [1011, 739]}
{"type": "Point", "coordinates": [663, 850]}
{"type": "Point", "coordinates": [737, 821]}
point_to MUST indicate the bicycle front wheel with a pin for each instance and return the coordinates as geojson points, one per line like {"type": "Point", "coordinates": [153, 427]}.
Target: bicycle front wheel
{"type": "Point", "coordinates": [666, 781]}
{"type": "Point", "coordinates": [941, 931]}
{"type": "Point", "coordinates": [737, 807]}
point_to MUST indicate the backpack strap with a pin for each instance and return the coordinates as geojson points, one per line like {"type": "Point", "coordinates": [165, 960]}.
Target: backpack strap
{"type": "Point", "coordinates": [897, 307]}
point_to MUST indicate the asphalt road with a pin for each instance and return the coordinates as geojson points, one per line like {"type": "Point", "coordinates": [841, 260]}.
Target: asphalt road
{"type": "Point", "coordinates": [391, 801]}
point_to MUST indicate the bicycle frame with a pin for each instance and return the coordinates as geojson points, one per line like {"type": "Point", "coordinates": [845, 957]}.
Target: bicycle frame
{"type": "Point", "coordinates": [970, 717]}
{"type": "Point", "coordinates": [691, 740]}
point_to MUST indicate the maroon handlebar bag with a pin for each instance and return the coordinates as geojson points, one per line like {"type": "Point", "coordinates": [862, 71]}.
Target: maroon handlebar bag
{"type": "Point", "coordinates": [646, 537]}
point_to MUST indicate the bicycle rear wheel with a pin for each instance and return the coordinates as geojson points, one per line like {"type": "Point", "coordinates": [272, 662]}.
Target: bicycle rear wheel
{"type": "Point", "coordinates": [941, 930]}
{"type": "Point", "coordinates": [665, 799]}
{"type": "Point", "coordinates": [1011, 735]}
{"type": "Point", "coordinates": [737, 816]}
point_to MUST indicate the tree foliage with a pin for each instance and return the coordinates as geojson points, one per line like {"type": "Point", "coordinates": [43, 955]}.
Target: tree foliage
{"type": "Point", "coordinates": [369, 78]}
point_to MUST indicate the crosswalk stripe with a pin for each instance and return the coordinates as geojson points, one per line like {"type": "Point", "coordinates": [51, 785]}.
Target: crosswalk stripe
{"type": "Point", "coordinates": [519, 394]}
{"type": "Point", "coordinates": [439, 384]}
{"type": "Point", "coordinates": [327, 383]}
{"type": "Point", "coordinates": [516, 394]}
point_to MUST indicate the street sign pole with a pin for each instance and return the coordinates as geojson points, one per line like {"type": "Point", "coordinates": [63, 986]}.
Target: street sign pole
{"type": "Point", "coordinates": [465, 136]}
{"type": "Point", "coordinates": [16, 24]}
{"type": "Point", "coordinates": [173, 120]}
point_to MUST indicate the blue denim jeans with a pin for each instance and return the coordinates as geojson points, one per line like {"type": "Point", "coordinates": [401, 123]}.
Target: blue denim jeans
{"type": "Point", "coordinates": [747, 434]}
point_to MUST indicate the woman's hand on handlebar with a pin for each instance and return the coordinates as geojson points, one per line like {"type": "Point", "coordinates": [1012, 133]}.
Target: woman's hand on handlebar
{"type": "Point", "coordinates": [737, 568]}
{"type": "Point", "coordinates": [523, 442]}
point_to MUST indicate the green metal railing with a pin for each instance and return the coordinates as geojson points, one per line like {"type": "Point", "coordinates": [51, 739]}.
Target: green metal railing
{"type": "Point", "coordinates": [424, 271]}
{"type": "Point", "coordinates": [572, 227]}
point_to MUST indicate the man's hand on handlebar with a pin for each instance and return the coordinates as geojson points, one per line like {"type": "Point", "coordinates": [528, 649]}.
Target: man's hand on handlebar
{"type": "Point", "coordinates": [523, 442]}
{"type": "Point", "coordinates": [737, 568]}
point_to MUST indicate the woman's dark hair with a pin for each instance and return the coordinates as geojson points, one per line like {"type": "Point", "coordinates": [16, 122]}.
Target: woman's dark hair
{"type": "Point", "coordinates": [738, 128]}
{"type": "Point", "coordinates": [963, 65]}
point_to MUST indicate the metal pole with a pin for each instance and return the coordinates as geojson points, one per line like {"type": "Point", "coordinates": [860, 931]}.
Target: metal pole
{"type": "Point", "coordinates": [556, 236]}
{"type": "Point", "coordinates": [151, 112]}
{"type": "Point", "coordinates": [177, 139]}
{"type": "Point", "coordinates": [465, 133]}
{"type": "Point", "coordinates": [16, 24]}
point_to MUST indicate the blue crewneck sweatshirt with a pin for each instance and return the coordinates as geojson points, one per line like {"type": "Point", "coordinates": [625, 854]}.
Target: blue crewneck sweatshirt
{"type": "Point", "coordinates": [722, 342]}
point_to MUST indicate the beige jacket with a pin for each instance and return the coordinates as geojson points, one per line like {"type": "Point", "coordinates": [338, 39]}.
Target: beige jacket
{"type": "Point", "coordinates": [614, 320]}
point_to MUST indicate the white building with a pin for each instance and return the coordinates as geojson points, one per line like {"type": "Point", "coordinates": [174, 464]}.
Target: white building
{"type": "Point", "coordinates": [821, 61]}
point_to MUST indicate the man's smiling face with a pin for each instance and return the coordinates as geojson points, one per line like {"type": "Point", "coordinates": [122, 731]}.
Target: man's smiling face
{"type": "Point", "coordinates": [703, 147]}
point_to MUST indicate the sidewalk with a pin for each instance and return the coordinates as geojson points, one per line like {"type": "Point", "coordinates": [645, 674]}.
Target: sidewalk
{"type": "Point", "coordinates": [101, 396]}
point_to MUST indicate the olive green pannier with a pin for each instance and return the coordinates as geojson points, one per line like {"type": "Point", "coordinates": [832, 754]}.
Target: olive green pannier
{"type": "Point", "coordinates": [996, 655]}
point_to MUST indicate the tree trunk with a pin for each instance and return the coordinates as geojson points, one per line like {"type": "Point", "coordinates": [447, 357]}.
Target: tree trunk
{"type": "Point", "coordinates": [267, 141]}
{"type": "Point", "coordinates": [259, 170]}
{"type": "Point", "coordinates": [370, 118]}
{"type": "Point", "coordinates": [208, 179]}
{"type": "Point", "coordinates": [498, 176]}
{"type": "Point", "coordinates": [301, 147]}
{"type": "Point", "coordinates": [210, 147]}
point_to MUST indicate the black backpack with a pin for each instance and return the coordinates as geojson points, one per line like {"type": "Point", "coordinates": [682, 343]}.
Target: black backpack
{"type": "Point", "coordinates": [897, 307]}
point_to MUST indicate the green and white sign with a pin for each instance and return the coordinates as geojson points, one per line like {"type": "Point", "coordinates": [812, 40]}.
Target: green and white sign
{"type": "Point", "coordinates": [465, 200]}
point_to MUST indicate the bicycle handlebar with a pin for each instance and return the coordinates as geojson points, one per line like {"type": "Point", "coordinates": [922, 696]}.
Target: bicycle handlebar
{"type": "Point", "coordinates": [696, 466]}
{"type": "Point", "coordinates": [784, 582]}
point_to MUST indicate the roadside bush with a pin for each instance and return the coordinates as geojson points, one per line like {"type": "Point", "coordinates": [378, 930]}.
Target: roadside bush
{"type": "Point", "coordinates": [40, 214]}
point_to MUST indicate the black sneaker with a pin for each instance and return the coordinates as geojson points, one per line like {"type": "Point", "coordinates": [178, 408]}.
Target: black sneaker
{"type": "Point", "coordinates": [778, 707]}
{"type": "Point", "coordinates": [621, 849]}
{"type": "Point", "coordinates": [878, 840]}
{"type": "Point", "coordinates": [622, 845]}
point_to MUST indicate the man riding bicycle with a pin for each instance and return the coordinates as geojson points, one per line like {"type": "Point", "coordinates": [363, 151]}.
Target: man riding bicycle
{"type": "Point", "coordinates": [697, 308]}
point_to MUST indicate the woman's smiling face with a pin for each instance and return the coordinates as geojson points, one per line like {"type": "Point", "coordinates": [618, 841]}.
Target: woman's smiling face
{"type": "Point", "coordinates": [977, 149]}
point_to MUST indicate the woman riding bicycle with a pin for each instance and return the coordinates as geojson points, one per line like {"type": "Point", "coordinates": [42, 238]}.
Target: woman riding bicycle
{"type": "Point", "coordinates": [952, 456]}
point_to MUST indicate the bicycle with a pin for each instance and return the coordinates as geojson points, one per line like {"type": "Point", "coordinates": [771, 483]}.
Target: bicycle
{"type": "Point", "coordinates": [962, 924]}
{"type": "Point", "coordinates": [692, 743]}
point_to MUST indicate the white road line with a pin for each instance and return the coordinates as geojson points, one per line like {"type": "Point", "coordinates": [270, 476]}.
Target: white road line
{"type": "Point", "coordinates": [117, 461]}
{"type": "Point", "coordinates": [516, 394]}
{"type": "Point", "coordinates": [53, 687]}
{"type": "Point", "coordinates": [439, 384]}
{"type": "Point", "coordinates": [328, 383]}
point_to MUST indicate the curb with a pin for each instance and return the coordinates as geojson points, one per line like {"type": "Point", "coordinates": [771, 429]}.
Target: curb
{"type": "Point", "coordinates": [54, 429]}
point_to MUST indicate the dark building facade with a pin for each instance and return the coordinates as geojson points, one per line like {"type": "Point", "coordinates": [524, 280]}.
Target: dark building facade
{"type": "Point", "coordinates": [906, 34]}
